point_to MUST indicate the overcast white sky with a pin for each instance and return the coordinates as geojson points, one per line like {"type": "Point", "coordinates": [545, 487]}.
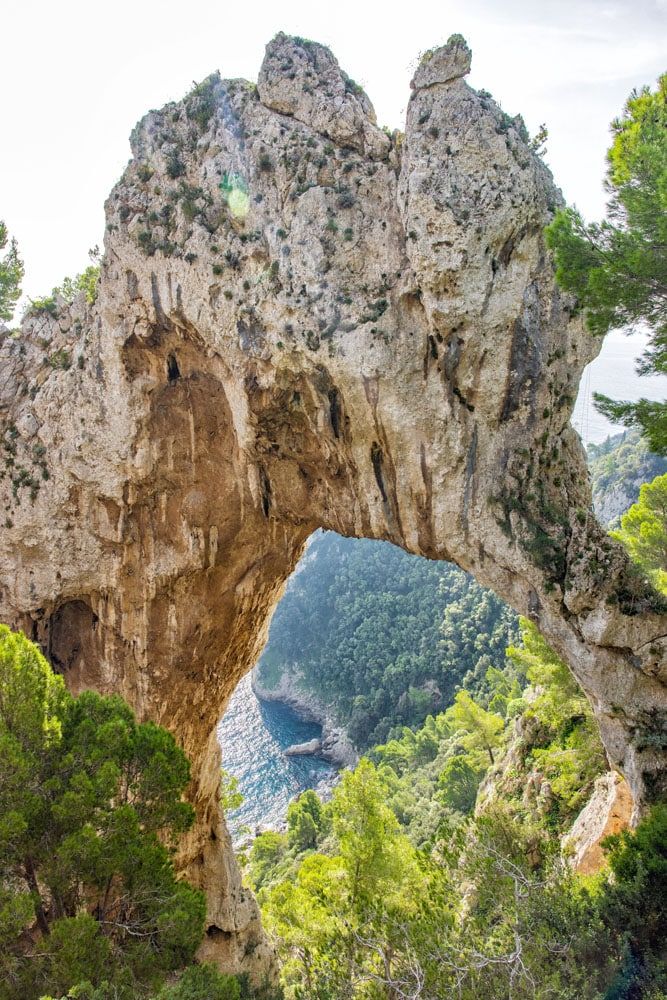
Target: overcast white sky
{"type": "Point", "coordinates": [76, 76]}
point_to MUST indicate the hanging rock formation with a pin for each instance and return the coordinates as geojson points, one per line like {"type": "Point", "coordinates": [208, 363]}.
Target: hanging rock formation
{"type": "Point", "coordinates": [607, 812]}
{"type": "Point", "coordinates": [304, 322]}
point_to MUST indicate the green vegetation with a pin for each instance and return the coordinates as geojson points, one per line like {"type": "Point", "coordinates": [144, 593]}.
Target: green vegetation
{"type": "Point", "coordinates": [445, 761]}
{"type": "Point", "coordinates": [11, 275]}
{"type": "Point", "coordinates": [60, 359]}
{"type": "Point", "coordinates": [230, 796]}
{"type": "Point", "coordinates": [329, 917]}
{"type": "Point", "coordinates": [204, 982]}
{"type": "Point", "coordinates": [643, 531]}
{"type": "Point", "coordinates": [90, 804]}
{"type": "Point", "coordinates": [561, 740]}
{"type": "Point", "coordinates": [86, 282]}
{"type": "Point", "coordinates": [90, 811]}
{"type": "Point", "coordinates": [618, 268]}
{"type": "Point", "coordinates": [618, 467]}
{"type": "Point", "coordinates": [384, 637]}
{"type": "Point", "coordinates": [397, 890]}
{"type": "Point", "coordinates": [304, 820]}
{"type": "Point", "coordinates": [202, 101]}
{"type": "Point", "coordinates": [479, 730]}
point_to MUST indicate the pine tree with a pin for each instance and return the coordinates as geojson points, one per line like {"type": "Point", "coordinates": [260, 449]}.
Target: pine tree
{"type": "Point", "coordinates": [11, 275]}
{"type": "Point", "coordinates": [90, 807]}
{"type": "Point", "coordinates": [618, 268]}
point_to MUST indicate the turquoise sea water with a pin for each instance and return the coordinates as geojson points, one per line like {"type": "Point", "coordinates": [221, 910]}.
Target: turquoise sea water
{"type": "Point", "coordinates": [253, 735]}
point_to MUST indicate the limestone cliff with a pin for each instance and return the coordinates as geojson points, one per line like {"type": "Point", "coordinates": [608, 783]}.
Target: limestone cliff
{"type": "Point", "coordinates": [607, 812]}
{"type": "Point", "coordinates": [303, 322]}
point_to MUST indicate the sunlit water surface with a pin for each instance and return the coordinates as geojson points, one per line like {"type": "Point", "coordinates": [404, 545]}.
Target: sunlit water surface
{"type": "Point", "coordinates": [253, 735]}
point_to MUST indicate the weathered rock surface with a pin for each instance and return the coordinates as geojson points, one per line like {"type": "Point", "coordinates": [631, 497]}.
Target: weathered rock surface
{"type": "Point", "coordinates": [608, 811]}
{"type": "Point", "coordinates": [306, 749]}
{"type": "Point", "coordinates": [335, 745]}
{"type": "Point", "coordinates": [303, 323]}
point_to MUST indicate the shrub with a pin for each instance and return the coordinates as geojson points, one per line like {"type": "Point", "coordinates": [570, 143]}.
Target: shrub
{"type": "Point", "coordinates": [90, 809]}
{"type": "Point", "coordinates": [201, 102]}
{"type": "Point", "coordinates": [203, 982]}
{"type": "Point", "coordinates": [60, 359]}
{"type": "Point", "coordinates": [346, 199]}
{"type": "Point", "coordinates": [175, 165]}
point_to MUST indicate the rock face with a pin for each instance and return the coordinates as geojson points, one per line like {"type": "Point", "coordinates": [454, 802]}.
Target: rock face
{"type": "Point", "coordinates": [608, 811]}
{"type": "Point", "coordinates": [306, 749]}
{"type": "Point", "coordinates": [335, 745]}
{"type": "Point", "coordinates": [301, 323]}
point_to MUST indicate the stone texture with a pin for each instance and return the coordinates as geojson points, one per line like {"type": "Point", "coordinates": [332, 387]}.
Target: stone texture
{"type": "Point", "coordinates": [306, 82]}
{"type": "Point", "coordinates": [608, 811]}
{"type": "Point", "coordinates": [443, 65]}
{"type": "Point", "coordinates": [303, 324]}
{"type": "Point", "coordinates": [306, 749]}
{"type": "Point", "coordinates": [335, 745]}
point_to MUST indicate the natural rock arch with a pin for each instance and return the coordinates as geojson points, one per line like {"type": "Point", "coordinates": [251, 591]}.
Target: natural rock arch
{"type": "Point", "coordinates": [304, 322]}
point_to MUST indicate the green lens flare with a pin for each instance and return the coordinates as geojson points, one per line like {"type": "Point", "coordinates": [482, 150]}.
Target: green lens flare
{"type": "Point", "coordinates": [235, 192]}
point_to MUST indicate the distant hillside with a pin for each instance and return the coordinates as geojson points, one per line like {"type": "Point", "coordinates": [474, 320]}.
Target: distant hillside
{"type": "Point", "coordinates": [381, 636]}
{"type": "Point", "coordinates": [618, 468]}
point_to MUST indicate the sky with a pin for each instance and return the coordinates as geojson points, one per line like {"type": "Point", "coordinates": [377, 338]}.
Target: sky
{"type": "Point", "coordinates": [75, 77]}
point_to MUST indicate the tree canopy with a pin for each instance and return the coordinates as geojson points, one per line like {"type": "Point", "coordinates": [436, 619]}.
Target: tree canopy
{"type": "Point", "coordinates": [618, 268]}
{"type": "Point", "coordinates": [618, 468]}
{"type": "Point", "coordinates": [643, 531]}
{"type": "Point", "coordinates": [11, 275]}
{"type": "Point", "coordinates": [87, 282]}
{"type": "Point", "coordinates": [382, 636]}
{"type": "Point", "coordinates": [480, 730]}
{"type": "Point", "coordinates": [90, 807]}
{"type": "Point", "coordinates": [417, 887]}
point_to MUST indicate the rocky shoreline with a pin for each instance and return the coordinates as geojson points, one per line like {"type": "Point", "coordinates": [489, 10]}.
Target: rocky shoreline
{"type": "Point", "coordinates": [334, 745]}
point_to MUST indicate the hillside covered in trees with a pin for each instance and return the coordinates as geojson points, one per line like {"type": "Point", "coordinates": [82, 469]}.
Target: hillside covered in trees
{"type": "Point", "coordinates": [383, 637]}
{"type": "Point", "coordinates": [619, 467]}
{"type": "Point", "coordinates": [436, 870]}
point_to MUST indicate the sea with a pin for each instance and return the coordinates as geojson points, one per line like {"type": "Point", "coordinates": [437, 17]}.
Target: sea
{"type": "Point", "coordinates": [253, 734]}
{"type": "Point", "coordinates": [614, 374]}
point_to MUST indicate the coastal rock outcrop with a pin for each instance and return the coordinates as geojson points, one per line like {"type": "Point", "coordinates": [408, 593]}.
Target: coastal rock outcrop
{"type": "Point", "coordinates": [307, 749]}
{"type": "Point", "coordinates": [334, 744]}
{"type": "Point", "coordinates": [305, 322]}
